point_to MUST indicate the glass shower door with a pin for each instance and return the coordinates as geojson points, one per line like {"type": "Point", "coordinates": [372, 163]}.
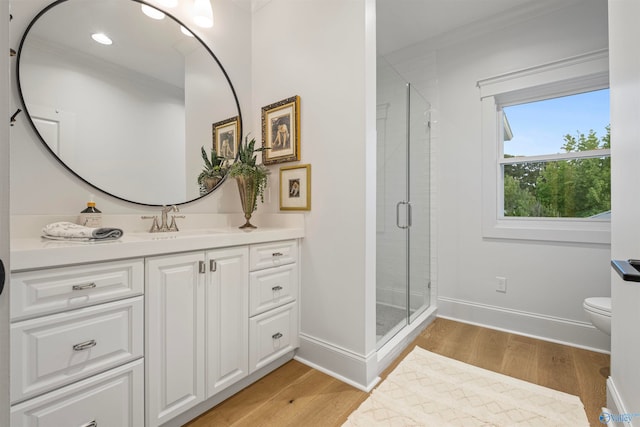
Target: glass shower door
{"type": "Point", "coordinates": [392, 207]}
{"type": "Point", "coordinates": [403, 208]}
{"type": "Point", "coordinates": [419, 183]}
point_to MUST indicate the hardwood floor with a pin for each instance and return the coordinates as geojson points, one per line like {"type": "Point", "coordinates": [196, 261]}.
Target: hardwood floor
{"type": "Point", "coordinates": [297, 395]}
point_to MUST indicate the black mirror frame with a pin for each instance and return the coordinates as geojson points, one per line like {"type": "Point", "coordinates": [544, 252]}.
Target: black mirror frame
{"type": "Point", "coordinates": [33, 126]}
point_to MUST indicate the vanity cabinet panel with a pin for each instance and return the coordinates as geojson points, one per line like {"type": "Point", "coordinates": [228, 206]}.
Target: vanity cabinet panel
{"type": "Point", "coordinates": [273, 254]}
{"type": "Point", "coordinates": [39, 292]}
{"type": "Point", "coordinates": [273, 327]}
{"type": "Point", "coordinates": [113, 398]}
{"type": "Point", "coordinates": [197, 328]}
{"type": "Point", "coordinates": [51, 351]}
{"type": "Point", "coordinates": [272, 288]}
{"type": "Point", "coordinates": [175, 338]}
{"type": "Point", "coordinates": [272, 334]}
{"type": "Point", "coordinates": [227, 318]}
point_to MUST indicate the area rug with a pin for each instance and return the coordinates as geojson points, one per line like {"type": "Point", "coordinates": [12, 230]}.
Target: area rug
{"type": "Point", "coordinates": [427, 389]}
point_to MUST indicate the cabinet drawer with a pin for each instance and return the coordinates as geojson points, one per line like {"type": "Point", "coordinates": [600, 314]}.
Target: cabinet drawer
{"type": "Point", "coordinates": [54, 350]}
{"type": "Point", "coordinates": [114, 398]}
{"type": "Point", "coordinates": [38, 292]}
{"type": "Point", "coordinates": [272, 334]}
{"type": "Point", "coordinates": [272, 288]}
{"type": "Point", "coordinates": [273, 254]}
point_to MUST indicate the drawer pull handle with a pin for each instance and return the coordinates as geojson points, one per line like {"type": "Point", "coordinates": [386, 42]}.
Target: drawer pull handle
{"type": "Point", "coordinates": [85, 345]}
{"type": "Point", "coordinates": [276, 336]}
{"type": "Point", "coordinates": [276, 254]}
{"type": "Point", "coordinates": [90, 424]}
{"type": "Point", "coordinates": [276, 288]}
{"type": "Point", "coordinates": [83, 287]}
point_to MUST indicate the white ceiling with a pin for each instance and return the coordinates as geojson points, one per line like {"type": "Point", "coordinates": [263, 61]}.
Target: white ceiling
{"type": "Point", "coordinates": [401, 23]}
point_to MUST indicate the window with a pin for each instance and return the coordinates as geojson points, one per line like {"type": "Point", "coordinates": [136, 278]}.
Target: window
{"type": "Point", "coordinates": [555, 160]}
{"type": "Point", "coordinates": [546, 157]}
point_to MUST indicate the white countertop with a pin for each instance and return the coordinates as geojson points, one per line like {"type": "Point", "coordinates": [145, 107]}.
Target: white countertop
{"type": "Point", "coordinates": [38, 252]}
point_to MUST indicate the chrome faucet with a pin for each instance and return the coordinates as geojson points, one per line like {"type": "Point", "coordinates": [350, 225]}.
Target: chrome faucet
{"type": "Point", "coordinates": [164, 224]}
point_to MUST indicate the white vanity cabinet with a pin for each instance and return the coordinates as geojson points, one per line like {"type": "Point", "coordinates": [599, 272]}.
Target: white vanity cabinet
{"type": "Point", "coordinates": [149, 330]}
{"type": "Point", "coordinates": [77, 345]}
{"type": "Point", "coordinates": [273, 325]}
{"type": "Point", "coordinates": [197, 328]}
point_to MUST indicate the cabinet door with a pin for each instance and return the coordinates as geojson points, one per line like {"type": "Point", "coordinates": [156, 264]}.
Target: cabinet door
{"type": "Point", "coordinates": [112, 398]}
{"type": "Point", "coordinates": [175, 336]}
{"type": "Point", "coordinates": [227, 317]}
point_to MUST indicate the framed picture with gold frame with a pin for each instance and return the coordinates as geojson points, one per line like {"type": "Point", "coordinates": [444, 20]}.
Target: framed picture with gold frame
{"type": "Point", "coordinates": [226, 137]}
{"type": "Point", "coordinates": [281, 131]}
{"type": "Point", "coordinates": [295, 188]}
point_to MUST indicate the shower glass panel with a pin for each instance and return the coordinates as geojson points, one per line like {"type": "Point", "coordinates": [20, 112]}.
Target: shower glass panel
{"type": "Point", "coordinates": [403, 209]}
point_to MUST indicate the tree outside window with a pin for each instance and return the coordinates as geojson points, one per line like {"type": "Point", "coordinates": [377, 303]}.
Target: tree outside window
{"type": "Point", "coordinates": [572, 182]}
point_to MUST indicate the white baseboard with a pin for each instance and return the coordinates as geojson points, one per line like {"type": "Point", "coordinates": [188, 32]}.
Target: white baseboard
{"type": "Point", "coordinates": [540, 326]}
{"type": "Point", "coordinates": [354, 369]}
{"type": "Point", "coordinates": [616, 406]}
{"type": "Point", "coordinates": [361, 372]}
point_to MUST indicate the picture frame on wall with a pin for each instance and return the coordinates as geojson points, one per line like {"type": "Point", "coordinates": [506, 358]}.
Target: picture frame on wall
{"type": "Point", "coordinates": [281, 131]}
{"type": "Point", "coordinates": [295, 188]}
{"type": "Point", "coordinates": [226, 137]}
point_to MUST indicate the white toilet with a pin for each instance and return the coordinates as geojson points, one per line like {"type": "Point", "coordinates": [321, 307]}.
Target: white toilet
{"type": "Point", "coordinates": [599, 311]}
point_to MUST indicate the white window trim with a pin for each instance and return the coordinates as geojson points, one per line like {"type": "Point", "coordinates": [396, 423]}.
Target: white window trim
{"type": "Point", "coordinates": [560, 78]}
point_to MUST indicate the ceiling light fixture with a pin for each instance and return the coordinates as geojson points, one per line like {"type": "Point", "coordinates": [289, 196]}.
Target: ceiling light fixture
{"type": "Point", "coordinates": [203, 15]}
{"type": "Point", "coordinates": [168, 3]}
{"type": "Point", "coordinates": [152, 12]}
{"type": "Point", "coordinates": [102, 38]}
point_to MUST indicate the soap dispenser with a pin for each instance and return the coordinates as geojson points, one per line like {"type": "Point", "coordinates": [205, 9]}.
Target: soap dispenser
{"type": "Point", "coordinates": [91, 216]}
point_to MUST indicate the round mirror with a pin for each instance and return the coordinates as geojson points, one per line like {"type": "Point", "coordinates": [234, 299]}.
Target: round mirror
{"type": "Point", "coordinates": [126, 102]}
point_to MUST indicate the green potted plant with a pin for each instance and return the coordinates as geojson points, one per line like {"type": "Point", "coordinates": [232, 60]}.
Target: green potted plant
{"type": "Point", "coordinates": [251, 178]}
{"type": "Point", "coordinates": [213, 171]}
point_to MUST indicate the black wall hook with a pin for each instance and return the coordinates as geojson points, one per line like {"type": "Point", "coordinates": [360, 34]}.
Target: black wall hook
{"type": "Point", "coordinates": [13, 118]}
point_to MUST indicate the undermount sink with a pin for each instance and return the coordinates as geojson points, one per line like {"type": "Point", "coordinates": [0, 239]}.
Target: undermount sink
{"type": "Point", "coordinates": [162, 235]}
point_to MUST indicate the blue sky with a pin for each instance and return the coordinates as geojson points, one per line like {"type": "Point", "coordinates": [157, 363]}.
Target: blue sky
{"type": "Point", "coordinates": [539, 127]}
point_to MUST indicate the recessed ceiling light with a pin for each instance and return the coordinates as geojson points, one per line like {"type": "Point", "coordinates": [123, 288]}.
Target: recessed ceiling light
{"type": "Point", "coordinates": [102, 38]}
{"type": "Point", "coordinates": [151, 12]}
{"type": "Point", "coordinates": [186, 32]}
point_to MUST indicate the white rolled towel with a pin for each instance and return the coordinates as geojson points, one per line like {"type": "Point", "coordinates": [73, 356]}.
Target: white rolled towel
{"type": "Point", "coordinates": [69, 231]}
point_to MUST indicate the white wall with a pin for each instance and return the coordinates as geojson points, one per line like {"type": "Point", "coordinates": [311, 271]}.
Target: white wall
{"type": "Point", "coordinates": [4, 216]}
{"type": "Point", "coordinates": [40, 185]}
{"type": "Point", "coordinates": [623, 386]}
{"type": "Point", "coordinates": [546, 282]}
{"type": "Point", "coordinates": [323, 51]}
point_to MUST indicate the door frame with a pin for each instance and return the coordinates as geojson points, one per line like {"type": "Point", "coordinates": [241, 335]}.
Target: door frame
{"type": "Point", "coordinates": [4, 211]}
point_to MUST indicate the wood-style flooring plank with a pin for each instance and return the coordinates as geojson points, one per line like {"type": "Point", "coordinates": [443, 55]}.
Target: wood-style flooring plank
{"type": "Point", "coordinates": [253, 397]}
{"type": "Point", "coordinates": [556, 367]}
{"type": "Point", "coordinates": [488, 349]}
{"type": "Point", "coordinates": [521, 358]}
{"type": "Point", "coordinates": [297, 395]}
{"type": "Point", "coordinates": [290, 404]}
{"type": "Point", "coordinates": [592, 370]}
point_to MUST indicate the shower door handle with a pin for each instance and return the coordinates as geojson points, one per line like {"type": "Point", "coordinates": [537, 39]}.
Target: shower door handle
{"type": "Point", "coordinates": [398, 215]}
